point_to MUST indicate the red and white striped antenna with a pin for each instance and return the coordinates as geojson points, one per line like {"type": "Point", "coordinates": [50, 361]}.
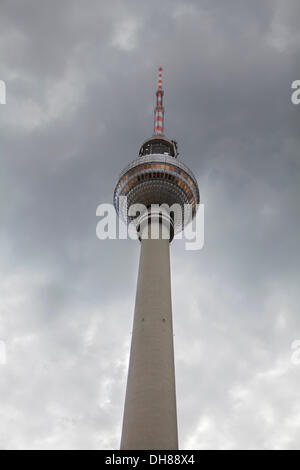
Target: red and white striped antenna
{"type": "Point", "coordinates": [159, 109]}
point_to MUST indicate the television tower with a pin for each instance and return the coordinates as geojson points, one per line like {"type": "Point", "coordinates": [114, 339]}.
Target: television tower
{"type": "Point", "coordinates": [156, 177]}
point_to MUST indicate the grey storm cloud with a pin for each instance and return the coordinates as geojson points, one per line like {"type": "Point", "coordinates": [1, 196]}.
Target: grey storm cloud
{"type": "Point", "coordinates": [80, 80]}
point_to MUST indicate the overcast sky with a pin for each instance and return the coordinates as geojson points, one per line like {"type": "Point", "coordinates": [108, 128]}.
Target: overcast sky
{"type": "Point", "coordinates": [81, 78]}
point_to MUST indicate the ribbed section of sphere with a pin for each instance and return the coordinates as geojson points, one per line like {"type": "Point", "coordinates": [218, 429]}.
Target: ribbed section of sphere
{"type": "Point", "coordinates": [157, 179]}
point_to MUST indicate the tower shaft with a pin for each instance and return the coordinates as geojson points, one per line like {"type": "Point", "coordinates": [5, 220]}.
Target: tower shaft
{"type": "Point", "coordinates": [150, 418]}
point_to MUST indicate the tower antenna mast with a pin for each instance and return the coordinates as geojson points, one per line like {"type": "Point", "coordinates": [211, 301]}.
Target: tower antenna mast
{"type": "Point", "coordinates": [159, 109]}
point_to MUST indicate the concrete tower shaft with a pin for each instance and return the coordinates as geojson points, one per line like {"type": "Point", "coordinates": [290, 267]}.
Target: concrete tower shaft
{"type": "Point", "coordinates": [150, 420]}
